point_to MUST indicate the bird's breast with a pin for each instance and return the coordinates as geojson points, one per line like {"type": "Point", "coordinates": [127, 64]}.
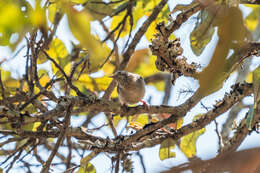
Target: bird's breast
{"type": "Point", "coordinates": [131, 94]}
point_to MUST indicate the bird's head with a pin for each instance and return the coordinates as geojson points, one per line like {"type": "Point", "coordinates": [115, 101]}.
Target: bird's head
{"type": "Point", "coordinates": [121, 76]}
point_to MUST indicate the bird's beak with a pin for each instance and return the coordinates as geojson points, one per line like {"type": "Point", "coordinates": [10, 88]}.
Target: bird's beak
{"type": "Point", "coordinates": [112, 76]}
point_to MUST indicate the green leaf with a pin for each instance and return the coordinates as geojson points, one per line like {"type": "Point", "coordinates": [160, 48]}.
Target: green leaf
{"type": "Point", "coordinates": [188, 142]}
{"type": "Point", "coordinates": [79, 23]}
{"type": "Point", "coordinates": [256, 84]}
{"type": "Point", "coordinates": [255, 109]}
{"type": "Point", "coordinates": [250, 117]}
{"type": "Point", "coordinates": [202, 33]}
{"type": "Point", "coordinates": [31, 126]}
{"type": "Point", "coordinates": [182, 7]}
{"type": "Point", "coordinates": [99, 9]}
{"type": "Point", "coordinates": [256, 89]}
{"type": "Point", "coordinates": [165, 149]}
{"type": "Point", "coordinates": [121, 7]}
{"type": "Point", "coordinates": [230, 29]}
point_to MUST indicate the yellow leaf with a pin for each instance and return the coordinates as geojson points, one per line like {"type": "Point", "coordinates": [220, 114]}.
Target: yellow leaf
{"type": "Point", "coordinates": [166, 149]}
{"type": "Point", "coordinates": [161, 17]}
{"type": "Point", "coordinates": [160, 85]}
{"type": "Point", "coordinates": [88, 169]}
{"type": "Point", "coordinates": [149, 34]}
{"type": "Point", "coordinates": [93, 84]}
{"type": "Point", "coordinates": [179, 122]}
{"type": "Point", "coordinates": [5, 75]}
{"type": "Point", "coordinates": [117, 119]}
{"type": "Point", "coordinates": [52, 11]}
{"type": "Point", "coordinates": [53, 8]}
{"type": "Point", "coordinates": [38, 16]}
{"type": "Point", "coordinates": [79, 22]}
{"type": "Point", "coordinates": [86, 166]}
{"type": "Point", "coordinates": [78, 1]}
{"type": "Point", "coordinates": [148, 66]}
{"type": "Point", "coordinates": [116, 20]}
{"type": "Point", "coordinates": [249, 77]}
{"type": "Point", "coordinates": [57, 49]}
{"type": "Point", "coordinates": [9, 83]}
{"type": "Point", "coordinates": [103, 82]}
{"type": "Point", "coordinates": [44, 80]}
{"type": "Point", "coordinates": [59, 53]}
{"type": "Point", "coordinates": [114, 94]}
{"type": "Point", "coordinates": [12, 83]}
{"type": "Point", "coordinates": [137, 13]}
{"type": "Point", "coordinates": [41, 58]}
{"type": "Point", "coordinates": [67, 68]}
{"type": "Point", "coordinates": [12, 21]}
{"type": "Point", "coordinates": [188, 142]}
{"type": "Point", "coordinates": [252, 20]}
{"type": "Point", "coordinates": [141, 119]}
{"type": "Point", "coordinates": [108, 69]}
{"type": "Point", "coordinates": [149, 6]}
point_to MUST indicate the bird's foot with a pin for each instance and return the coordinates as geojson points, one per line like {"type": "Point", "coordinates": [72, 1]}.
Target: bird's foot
{"type": "Point", "coordinates": [145, 105]}
{"type": "Point", "coordinates": [124, 107]}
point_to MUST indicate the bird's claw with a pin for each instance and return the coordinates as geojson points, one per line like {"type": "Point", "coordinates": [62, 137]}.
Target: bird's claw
{"type": "Point", "coordinates": [124, 107]}
{"type": "Point", "coordinates": [145, 105]}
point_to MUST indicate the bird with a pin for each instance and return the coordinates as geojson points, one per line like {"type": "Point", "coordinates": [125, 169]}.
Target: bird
{"type": "Point", "coordinates": [130, 87]}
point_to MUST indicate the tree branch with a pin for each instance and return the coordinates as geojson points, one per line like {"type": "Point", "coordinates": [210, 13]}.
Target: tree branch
{"type": "Point", "coordinates": [46, 167]}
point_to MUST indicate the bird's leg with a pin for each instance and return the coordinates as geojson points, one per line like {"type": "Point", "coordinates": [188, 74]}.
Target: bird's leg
{"type": "Point", "coordinates": [124, 107]}
{"type": "Point", "coordinates": [145, 105]}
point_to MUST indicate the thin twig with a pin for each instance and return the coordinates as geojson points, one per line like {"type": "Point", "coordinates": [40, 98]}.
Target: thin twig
{"type": "Point", "coordinates": [110, 121]}
{"type": "Point", "coordinates": [65, 75]}
{"type": "Point", "coordinates": [220, 141]}
{"type": "Point", "coordinates": [46, 167]}
{"type": "Point", "coordinates": [2, 86]}
{"type": "Point", "coordinates": [117, 163]}
{"type": "Point", "coordinates": [50, 83]}
{"type": "Point", "coordinates": [135, 41]}
{"type": "Point", "coordinates": [68, 163]}
{"type": "Point", "coordinates": [142, 161]}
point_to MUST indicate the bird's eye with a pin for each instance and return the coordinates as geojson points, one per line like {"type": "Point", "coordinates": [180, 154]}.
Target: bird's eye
{"type": "Point", "coordinates": [119, 73]}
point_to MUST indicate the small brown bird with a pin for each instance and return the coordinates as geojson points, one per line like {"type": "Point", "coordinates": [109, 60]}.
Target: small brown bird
{"type": "Point", "coordinates": [130, 87]}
